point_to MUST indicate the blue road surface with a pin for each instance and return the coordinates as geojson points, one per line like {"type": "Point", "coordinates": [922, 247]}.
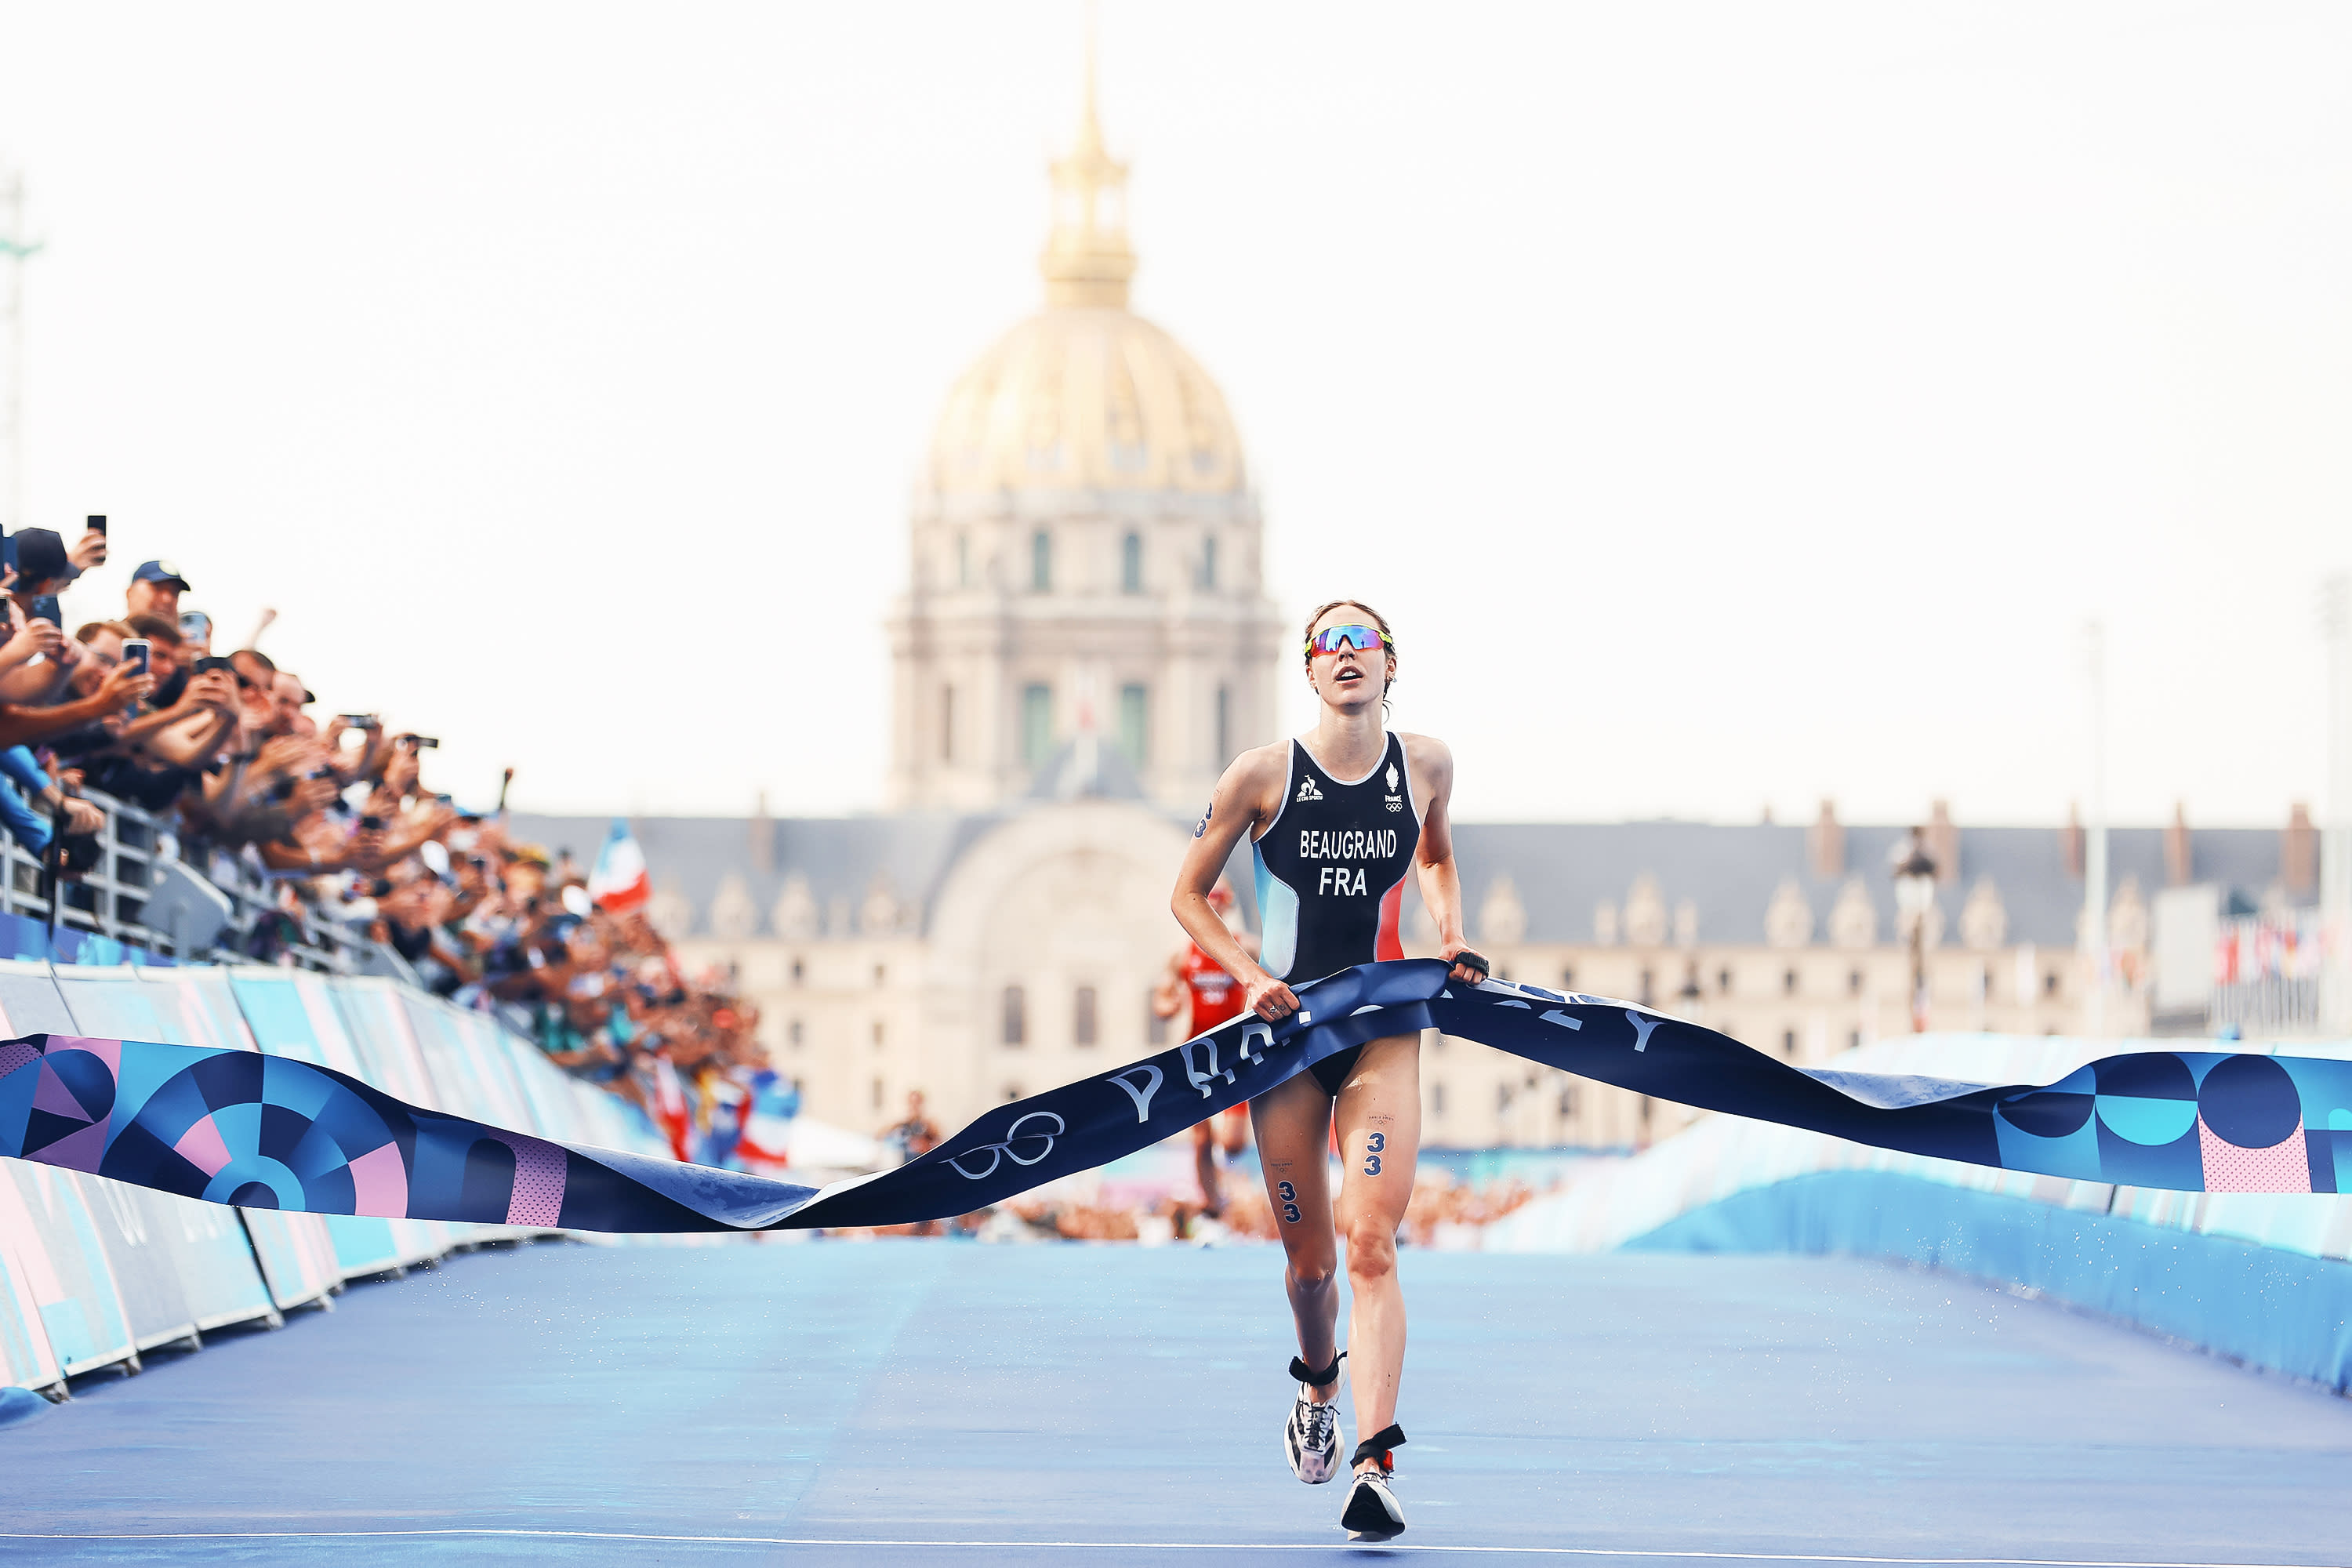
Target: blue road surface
{"type": "Point", "coordinates": [1112, 1404]}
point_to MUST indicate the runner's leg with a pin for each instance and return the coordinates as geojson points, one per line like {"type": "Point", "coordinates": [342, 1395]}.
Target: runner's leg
{"type": "Point", "coordinates": [1292, 1120]}
{"type": "Point", "coordinates": [1379, 1123]}
{"type": "Point", "coordinates": [1204, 1168]}
{"type": "Point", "coordinates": [1233, 1131]}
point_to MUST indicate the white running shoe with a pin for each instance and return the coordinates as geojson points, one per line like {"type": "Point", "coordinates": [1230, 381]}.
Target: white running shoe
{"type": "Point", "coordinates": [1310, 1439]}
{"type": "Point", "coordinates": [1373, 1512]}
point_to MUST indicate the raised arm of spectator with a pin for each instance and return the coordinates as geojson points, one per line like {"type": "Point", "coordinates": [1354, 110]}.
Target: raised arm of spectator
{"type": "Point", "coordinates": [22, 680]}
{"type": "Point", "coordinates": [124, 685]}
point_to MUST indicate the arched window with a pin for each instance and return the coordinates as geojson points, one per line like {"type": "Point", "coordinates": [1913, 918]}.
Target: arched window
{"type": "Point", "coordinates": [1225, 726]}
{"type": "Point", "coordinates": [947, 723]}
{"type": "Point", "coordinates": [1041, 562]}
{"type": "Point", "coordinates": [1209, 562]}
{"type": "Point", "coordinates": [1131, 564]}
{"type": "Point", "coordinates": [1016, 1017]}
{"type": "Point", "coordinates": [1084, 1029]}
{"type": "Point", "coordinates": [963, 561]}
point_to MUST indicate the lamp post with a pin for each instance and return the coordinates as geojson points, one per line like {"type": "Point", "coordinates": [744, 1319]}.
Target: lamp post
{"type": "Point", "coordinates": [1914, 896]}
{"type": "Point", "coordinates": [2335, 835]}
{"type": "Point", "coordinates": [2094, 850]}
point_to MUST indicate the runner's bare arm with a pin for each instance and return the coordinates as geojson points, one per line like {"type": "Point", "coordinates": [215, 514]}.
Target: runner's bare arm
{"type": "Point", "coordinates": [1431, 765]}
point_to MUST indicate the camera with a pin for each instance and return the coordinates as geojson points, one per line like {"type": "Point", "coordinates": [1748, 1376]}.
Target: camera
{"type": "Point", "coordinates": [77, 853]}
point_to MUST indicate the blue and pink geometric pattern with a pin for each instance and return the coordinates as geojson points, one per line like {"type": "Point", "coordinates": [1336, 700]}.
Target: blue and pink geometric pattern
{"type": "Point", "coordinates": [267, 1131]}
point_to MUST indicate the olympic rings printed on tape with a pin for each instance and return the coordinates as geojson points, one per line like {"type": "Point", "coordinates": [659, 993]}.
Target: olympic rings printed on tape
{"type": "Point", "coordinates": [1003, 1150]}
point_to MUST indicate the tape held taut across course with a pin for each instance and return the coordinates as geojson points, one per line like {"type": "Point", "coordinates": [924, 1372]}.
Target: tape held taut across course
{"type": "Point", "coordinates": [235, 1127]}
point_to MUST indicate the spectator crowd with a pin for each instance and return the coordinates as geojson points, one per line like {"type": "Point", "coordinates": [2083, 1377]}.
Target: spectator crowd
{"type": "Point", "coordinates": [332, 819]}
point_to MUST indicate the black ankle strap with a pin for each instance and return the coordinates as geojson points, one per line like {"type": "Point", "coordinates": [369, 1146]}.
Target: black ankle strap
{"type": "Point", "coordinates": [1301, 1373]}
{"type": "Point", "coordinates": [1377, 1445]}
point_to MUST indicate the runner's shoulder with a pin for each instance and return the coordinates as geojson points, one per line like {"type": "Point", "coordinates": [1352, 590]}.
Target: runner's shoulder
{"type": "Point", "coordinates": [1425, 750]}
{"type": "Point", "coordinates": [1259, 772]}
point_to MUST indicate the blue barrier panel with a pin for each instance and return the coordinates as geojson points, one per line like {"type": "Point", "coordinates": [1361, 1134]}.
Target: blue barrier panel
{"type": "Point", "coordinates": [29, 1003]}
{"type": "Point", "coordinates": [198, 1001]}
{"type": "Point", "coordinates": [2259, 1304]}
{"type": "Point", "coordinates": [545, 1087]}
{"type": "Point", "coordinates": [51, 1237]}
{"type": "Point", "coordinates": [289, 1019]}
{"type": "Point", "coordinates": [481, 1086]}
{"type": "Point", "coordinates": [26, 1359]}
{"type": "Point", "coordinates": [146, 1276]}
{"type": "Point", "coordinates": [111, 1004]}
{"type": "Point", "coordinates": [481, 1041]}
{"type": "Point", "coordinates": [378, 1026]}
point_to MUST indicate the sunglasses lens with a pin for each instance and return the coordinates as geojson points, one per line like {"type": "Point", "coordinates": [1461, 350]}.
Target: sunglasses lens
{"type": "Point", "coordinates": [1334, 638]}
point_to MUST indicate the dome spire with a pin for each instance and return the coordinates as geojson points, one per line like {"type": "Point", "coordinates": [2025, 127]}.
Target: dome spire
{"type": "Point", "coordinates": [1087, 260]}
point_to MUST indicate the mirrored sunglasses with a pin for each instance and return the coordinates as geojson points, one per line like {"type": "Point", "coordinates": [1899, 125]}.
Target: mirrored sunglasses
{"type": "Point", "coordinates": [1332, 639]}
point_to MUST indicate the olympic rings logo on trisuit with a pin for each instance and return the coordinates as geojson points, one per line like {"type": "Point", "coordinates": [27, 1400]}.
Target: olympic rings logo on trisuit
{"type": "Point", "coordinates": [1003, 1151]}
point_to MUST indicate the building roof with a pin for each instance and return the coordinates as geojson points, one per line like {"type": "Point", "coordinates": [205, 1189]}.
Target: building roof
{"type": "Point", "coordinates": [873, 875]}
{"type": "Point", "coordinates": [1562, 872]}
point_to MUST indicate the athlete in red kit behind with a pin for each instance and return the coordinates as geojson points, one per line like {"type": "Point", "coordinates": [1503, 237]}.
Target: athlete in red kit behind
{"type": "Point", "coordinates": [1193, 975]}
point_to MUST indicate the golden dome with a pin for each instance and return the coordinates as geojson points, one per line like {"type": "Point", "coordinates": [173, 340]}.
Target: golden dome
{"type": "Point", "coordinates": [1086, 399]}
{"type": "Point", "coordinates": [1085, 394]}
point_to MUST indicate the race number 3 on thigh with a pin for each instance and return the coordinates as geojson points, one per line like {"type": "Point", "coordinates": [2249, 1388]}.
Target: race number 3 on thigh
{"type": "Point", "coordinates": [1379, 1122]}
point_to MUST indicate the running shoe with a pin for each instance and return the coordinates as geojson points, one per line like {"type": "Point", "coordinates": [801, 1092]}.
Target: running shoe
{"type": "Point", "coordinates": [1373, 1512]}
{"type": "Point", "coordinates": [1310, 1439]}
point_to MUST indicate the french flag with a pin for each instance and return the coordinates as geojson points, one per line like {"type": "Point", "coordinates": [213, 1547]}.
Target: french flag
{"type": "Point", "coordinates": [620, 882]}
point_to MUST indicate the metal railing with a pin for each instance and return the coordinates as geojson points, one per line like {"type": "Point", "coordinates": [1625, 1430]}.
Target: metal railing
{"type": "Point", "coordinates": [134, 848]}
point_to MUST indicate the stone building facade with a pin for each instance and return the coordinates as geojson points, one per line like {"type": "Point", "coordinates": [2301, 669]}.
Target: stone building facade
{"type": "Point", "coordinates": [1084, 643]}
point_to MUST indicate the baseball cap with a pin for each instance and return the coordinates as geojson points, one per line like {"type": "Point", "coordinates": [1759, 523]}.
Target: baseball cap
{"type": "Point", "coordinates": [160, 572]}
{"type": "Point", "coordinates": [40, 555]}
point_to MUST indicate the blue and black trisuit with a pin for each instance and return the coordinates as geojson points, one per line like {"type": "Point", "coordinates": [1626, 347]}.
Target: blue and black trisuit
{"type": "Point", "coordinates": [1330, 875]}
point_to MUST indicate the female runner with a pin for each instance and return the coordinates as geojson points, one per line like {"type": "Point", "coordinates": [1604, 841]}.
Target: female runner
{"type": "Point", "coordinates": [1336, 817]}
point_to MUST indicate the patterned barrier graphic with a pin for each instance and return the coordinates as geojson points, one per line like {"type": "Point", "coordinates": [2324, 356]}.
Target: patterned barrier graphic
{"type": "Point", "coordinates": [92, 1270]}
{"type": "Point", "coordinates": [320, 1138]}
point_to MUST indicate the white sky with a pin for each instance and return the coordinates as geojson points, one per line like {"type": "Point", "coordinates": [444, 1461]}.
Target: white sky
{"type": "Point", "coordinates": [1729, 403]}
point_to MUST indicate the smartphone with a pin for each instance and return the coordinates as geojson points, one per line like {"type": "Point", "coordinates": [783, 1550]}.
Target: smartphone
{"type": "Point", "coordinates": [98, 523]}
{"type": "Point", "coordinates": [358, 721]}
{"type": "Point", "coordinates": [372, 824]}
{"type": "Point", "coordinates": [45, 608]}
{"type": "Point", "coordinates": [420, 743]}
{"type": "Point", "coordinates": [197, 625]}
{"type": "Point", "coordinates": [138, 652]}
